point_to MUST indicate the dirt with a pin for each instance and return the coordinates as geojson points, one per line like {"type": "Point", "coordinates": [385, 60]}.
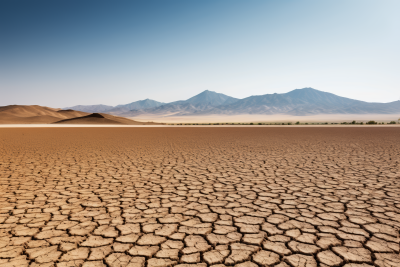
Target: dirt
{"type": "Point", "coordinates": [154, 197]}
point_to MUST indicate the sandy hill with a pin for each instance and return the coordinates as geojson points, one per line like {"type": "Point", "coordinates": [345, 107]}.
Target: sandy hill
{"type": "Point", "coordinates": [101, 118]}
{"type": "Point", "coordinates": [138, 105]}
{"type": "Point", "coordinates": [20, 114]}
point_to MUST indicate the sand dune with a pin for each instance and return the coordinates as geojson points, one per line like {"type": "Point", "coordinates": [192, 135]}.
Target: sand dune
{"type": "Point", "coordinates": [94, 118]}
{"type": "Point", "coordinates": [37, 112]}
{"type": "Point", "coordinates": [44, 119]}
{"type": "Point", "coordinates": [123, 120]}
{"type": "Point", "coordinates": [101, 118]}
{"type": "Point", "coordinates": [17, 114]}
{"type": "Point", "coordinates": [71, 113]}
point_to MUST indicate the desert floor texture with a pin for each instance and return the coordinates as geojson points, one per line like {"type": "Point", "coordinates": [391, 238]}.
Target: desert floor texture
{"type": "Point", "coordinates": [197, 197]}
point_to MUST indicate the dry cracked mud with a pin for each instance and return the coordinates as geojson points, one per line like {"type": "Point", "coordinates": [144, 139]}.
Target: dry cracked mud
{"type": "Point", "coordinates": [158, 197]}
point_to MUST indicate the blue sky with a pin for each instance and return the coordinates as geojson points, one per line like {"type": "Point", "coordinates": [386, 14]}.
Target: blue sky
{"type": "Point", "coordinates": [64, 53]}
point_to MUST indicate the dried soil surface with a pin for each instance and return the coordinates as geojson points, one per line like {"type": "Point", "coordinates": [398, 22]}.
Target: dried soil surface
{"type": "Point", "coordinates": [154, 197]}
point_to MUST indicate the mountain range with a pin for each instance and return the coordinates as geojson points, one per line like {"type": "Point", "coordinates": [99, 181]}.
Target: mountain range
{"type": "Point", "coordinates": [306, 101]}
{"type": "Point", "coordinates": [138, 105]}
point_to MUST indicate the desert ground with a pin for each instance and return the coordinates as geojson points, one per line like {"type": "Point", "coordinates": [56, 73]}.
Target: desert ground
{"type": "Point", "coordinates": [247, 118]}
{"type": "Point", "coordinates": [197, 196]}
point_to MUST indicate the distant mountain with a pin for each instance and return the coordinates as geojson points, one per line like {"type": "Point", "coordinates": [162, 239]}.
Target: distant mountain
{"type": "Point", "coordinates": [91, 108]}
{"type": "Point", "coordinates": [206, 100]}
{"type": "Point", "coordinates": [210, 98]}
{"type": "Point", "coordinates": [306, 101]}
{"type": "Point", "coordinates": [138, 105]}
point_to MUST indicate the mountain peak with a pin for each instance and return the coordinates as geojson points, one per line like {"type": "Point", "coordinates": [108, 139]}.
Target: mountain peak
{"type": "Point", "coordinates": [211, 98]}
{"type": "Point", "coordinates": [305, 89]}
{"type": "Point", "coordinates": [140, 104]}
{"type": "Point", "coordinates": [207, 92]}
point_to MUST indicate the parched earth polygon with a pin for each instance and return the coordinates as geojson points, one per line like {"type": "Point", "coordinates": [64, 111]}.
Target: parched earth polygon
{"type": "Point", "coordinates": [198, 196]}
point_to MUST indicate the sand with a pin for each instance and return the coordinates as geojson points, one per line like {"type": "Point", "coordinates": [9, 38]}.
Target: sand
{"type": "Point", "coordinates": [19, 114]}
{"type": "Point", "coordinates": [166, 196]}
{"type": "Point", "coordinates": [101, 118]}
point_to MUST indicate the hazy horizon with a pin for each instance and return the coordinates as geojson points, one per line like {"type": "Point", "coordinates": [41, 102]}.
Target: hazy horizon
{"type": "Point", "coordinates": [67, 53]}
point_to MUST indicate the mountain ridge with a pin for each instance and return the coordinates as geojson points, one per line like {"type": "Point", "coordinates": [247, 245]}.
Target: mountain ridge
{"type": "Point", "coordinates": [137, 105]}
{"type": "Point", "coordinates": [305, 101]}
{"type": "Point", "coordinates": [204, 101]}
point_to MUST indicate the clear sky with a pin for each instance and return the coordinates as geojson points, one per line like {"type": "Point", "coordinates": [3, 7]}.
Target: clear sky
{"type": "Point", "coordinates": [68, 52]}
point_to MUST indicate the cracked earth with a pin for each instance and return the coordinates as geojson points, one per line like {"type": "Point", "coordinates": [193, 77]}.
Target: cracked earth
{"type": "Point", "coordinates": [197, 197]}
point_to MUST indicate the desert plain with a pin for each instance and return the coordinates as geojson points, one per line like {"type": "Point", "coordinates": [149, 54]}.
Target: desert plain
{"type": "Point", "coordinates": [197, 197]}
{"type": "Point", "coordinates": [263, 118]}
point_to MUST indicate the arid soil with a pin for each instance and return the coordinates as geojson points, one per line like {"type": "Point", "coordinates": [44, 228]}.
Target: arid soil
{"type": "Point", "coordinates": [153, 197]}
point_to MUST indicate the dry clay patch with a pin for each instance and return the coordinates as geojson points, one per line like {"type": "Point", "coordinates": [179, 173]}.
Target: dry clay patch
{"type": "Point", "coordinates": [200, 197]}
